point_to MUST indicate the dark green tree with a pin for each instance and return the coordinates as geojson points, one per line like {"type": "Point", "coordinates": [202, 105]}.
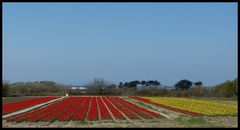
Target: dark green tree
{"type": "Point", "coordinates": [227, 89]}
{"type": "Point", "coordinates": [133, 84]}
{"type": "Point", "coordinates": [120, 85]}
{"type": "Point", "coordinates": [199, 83]}
{"type": "Point", "coordinates": [183, 84]}
{"type": "Point", "coordinates": [5, 89]}
{"type": "Point", "coordinates": [143, 82]}
{"type": "Point", "coordinates": [156, 83]}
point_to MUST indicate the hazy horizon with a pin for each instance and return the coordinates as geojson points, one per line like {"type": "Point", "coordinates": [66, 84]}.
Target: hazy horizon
{"type": "Point", "coordinates": [73, 43]}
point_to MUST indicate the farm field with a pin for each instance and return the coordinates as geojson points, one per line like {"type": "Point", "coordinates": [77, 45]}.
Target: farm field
{"type": "Point", "coordinates": [120, 65]}
{"type": "Point", "coordinates": [113, 111]}
{"type": "Point", "coordinates": [24, 103]}
{"type": "Point", "coordinates": [193, 107]}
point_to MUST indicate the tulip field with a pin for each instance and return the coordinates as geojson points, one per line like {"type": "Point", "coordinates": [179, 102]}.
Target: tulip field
{"type": "Point", "coordinates": [192, 107]}
{"type": "Point", "coordinates": [86, 108]}
{"type": "Point", "coordinates": [11, 107]}
{"type": "Point", "coordinates": [117, 111]}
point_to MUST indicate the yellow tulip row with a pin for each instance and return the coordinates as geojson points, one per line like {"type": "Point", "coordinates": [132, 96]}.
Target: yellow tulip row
{"type": "Point", "coordinates": [204, 107]}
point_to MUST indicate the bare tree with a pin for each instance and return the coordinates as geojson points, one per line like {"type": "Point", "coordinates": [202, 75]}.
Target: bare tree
{"type": "Point", "coordinates": [100, 86]}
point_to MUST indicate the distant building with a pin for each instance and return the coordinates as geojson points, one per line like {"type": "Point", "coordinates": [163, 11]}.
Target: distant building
{"type": "Point", "coordinates": [80, 88]}
{"type": "Point", "coordinates": [73, 87]}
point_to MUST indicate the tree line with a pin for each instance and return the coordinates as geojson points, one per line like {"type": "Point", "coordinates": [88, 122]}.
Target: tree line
{"type": "Point", "coordinates": [183, 88]}
{"type": "Point", "coordinates": [41, 88]}
{"type": "Point", "coordinates": [133, 84]}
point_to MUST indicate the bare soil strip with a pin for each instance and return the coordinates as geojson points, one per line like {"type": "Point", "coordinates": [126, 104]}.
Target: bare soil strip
{"type": "Point", "coordinates": [164, 112]}
{"type": "Point", "coordinates": [144, 111]}
{"type": "Point", "coordinates": [58, 123]}
{"type": "Point", "coordinates": [150, 123]}
{"type": "Point", "coordinates": [153, 118]}
{"type": "Point", "coordinates": [31, 108]}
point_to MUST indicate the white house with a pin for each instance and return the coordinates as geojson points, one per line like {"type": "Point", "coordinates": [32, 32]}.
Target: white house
{"type": "Point", "coordinates": [80, 88]}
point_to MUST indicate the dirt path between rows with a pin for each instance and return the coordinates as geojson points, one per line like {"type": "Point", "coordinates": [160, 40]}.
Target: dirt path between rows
{"type": "Point", "coordinates": [30, 108]}
{"type": "Point", "coordinates": [164, 112]}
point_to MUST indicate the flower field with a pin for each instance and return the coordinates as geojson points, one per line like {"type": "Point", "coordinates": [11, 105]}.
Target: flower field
{"type": "Point", "coordinates": [11, 107]}
{"type": "Point", "coordinates": [192, 107]}
{"type": "Point", "coordinates": [86, 108]}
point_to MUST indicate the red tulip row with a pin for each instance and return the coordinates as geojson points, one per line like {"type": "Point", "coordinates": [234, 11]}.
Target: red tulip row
{"type": "Point", "coordinates": [93, 111]}
{"type": "Point", "coordinates": [12, 107]}
{"type": "Point", "coordinates": [82, 111]}
{"type": "Point", "coordinates": [69, 114]}
{"type": "Point", "coordinates": [145, 113]}
{"type": "Point", "coordinates": [103, 109]}
{"type": "Point", "coordinates": [122, 107]}
{"type": "Point", "coordinates": [81, 108]}
{"type": "Point", "coordinates": [43, 113]}
{"type": "Point", "coordinates": [113, 110]}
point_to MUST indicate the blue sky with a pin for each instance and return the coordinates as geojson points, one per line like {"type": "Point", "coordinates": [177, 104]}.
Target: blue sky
{"type": "Point", "coordinates": [73, 43]}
